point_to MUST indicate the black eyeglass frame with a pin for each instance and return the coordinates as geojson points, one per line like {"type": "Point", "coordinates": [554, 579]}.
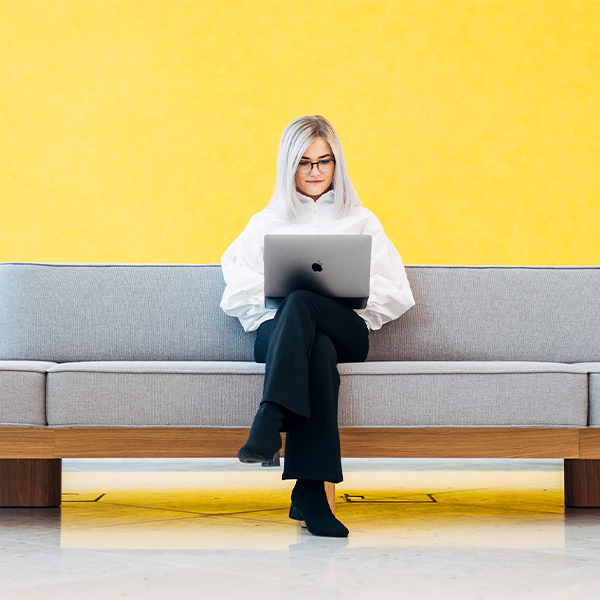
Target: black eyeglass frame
{"type": "Point", "coordinates": [315, 163]}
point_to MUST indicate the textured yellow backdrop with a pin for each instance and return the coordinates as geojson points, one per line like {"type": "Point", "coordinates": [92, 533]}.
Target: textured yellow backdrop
{"type": "Point", "coordinates": [148, 131]}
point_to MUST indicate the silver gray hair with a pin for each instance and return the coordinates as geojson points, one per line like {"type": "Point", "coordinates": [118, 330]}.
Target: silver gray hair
{"type": "Point", "coordinates": [296, 138]}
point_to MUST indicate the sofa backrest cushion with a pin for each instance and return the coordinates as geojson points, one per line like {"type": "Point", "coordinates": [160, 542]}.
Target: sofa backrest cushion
{"type": "Point", "coordinates": [520, 313]}
{"type": "Point", "coordinates": [83, 312]}
{"type": "Point", "coordinates": [66, 312]}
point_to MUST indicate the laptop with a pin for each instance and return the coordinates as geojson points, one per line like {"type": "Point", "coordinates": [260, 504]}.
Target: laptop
{"type": "Point", "coordinates": [332, 265]}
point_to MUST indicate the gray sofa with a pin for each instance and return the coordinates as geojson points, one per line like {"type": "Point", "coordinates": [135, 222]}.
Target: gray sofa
{"type": "Point", "coordinates": [136, 360]}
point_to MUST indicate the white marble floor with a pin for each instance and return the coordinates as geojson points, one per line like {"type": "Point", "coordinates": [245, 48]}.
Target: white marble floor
{"type": "Point", "coordinates": [169, 529]}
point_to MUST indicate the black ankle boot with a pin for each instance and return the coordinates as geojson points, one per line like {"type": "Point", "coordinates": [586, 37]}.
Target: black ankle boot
{"type": "Point", "coordinates": [264, 439]}
{"type": "Point", "coordinates": [309, 504]}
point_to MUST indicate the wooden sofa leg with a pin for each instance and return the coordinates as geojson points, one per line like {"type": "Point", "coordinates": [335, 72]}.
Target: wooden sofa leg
{"type": "Point", "coordinates": [30, 482]}
{"type": "Point", "coordinates": [330, 491]}
{"type": "Point", "coordinates": [582, 482]}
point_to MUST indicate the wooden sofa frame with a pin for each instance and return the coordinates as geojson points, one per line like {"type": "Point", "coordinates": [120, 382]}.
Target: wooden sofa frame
{"type": "Point", "coordinates": [30, 458]}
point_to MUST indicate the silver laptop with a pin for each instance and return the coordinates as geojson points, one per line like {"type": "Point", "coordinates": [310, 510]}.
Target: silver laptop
{"type": "Point", "coordinates": [337, 266]}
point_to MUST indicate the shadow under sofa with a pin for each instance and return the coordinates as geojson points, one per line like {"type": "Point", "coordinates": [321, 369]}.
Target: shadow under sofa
{"type": "Point", "coordinates": [138, 360]}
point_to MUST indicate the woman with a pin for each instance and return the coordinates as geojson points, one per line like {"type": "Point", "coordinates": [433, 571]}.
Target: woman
{"type": "Point", "coordinates": [302, 341]}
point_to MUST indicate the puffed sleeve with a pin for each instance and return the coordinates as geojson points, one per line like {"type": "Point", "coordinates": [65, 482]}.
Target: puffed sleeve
{"type": "Point", "coordinates": [390, 294]}
{"type": "Point", "coordinates": [243, 270]}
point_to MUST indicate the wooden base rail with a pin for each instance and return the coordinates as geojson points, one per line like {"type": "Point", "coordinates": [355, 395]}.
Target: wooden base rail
{"type": "Point", "coordinates": [424, 442]}
{"type": "Point", "coordinates": [30, 465]}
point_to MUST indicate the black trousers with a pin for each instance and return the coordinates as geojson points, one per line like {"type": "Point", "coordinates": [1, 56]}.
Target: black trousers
{"type": "Point", "coordinates": [301, 347]}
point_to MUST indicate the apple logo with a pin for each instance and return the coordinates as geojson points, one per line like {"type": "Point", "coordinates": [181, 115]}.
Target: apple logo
{"type": "Point", "coordinates": [316, 267]}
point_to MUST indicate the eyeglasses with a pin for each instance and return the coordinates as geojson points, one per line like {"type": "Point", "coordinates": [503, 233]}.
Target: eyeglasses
{"type": "Point", "coordinates": [324, 166]}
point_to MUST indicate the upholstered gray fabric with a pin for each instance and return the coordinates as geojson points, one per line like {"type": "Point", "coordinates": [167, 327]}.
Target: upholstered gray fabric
{"type": "Point", "coordinates": [69, 312]}
{"type": "Point", "coordinates": [22, 392]}
{"type": "Point", "coordinates": [496, 313]}
{"type": "Point", "coordinates": [173, 393]}
{"type": "Point", "coordinates": [468, 394]}
{"type": "Point", "coordinates": [373, 394]}
{"type": "Point", "coordinates": [594, 393]}
{"type": "Point", "coordinates": [175, 359]}
{"type": "Point", "coordinates": [89, 312]}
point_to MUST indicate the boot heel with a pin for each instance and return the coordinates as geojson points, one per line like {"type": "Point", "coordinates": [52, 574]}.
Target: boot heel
{"type": "Point", "coordinates": [295, 514]}
{"type": "Point", "coordinates": [274, 462]}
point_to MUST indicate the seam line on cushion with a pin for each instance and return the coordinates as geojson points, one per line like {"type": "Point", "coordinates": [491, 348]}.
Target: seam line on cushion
{"type": "Point", "coordinates": [103, 265]}
{"type": "Point", "coordinates": [23, 371]}
{"type": "Point", "coordinates": [341, 374]}
{"type": "Point", "coordinates": [536, 425]}
{"type": "Point", "coordinates": [475, 373]}
{"type": "Point", "coordinates": [152, 372]}
{"type": "Point", "coordinates": [543, 426]}
{"type": "Point", "coordinates": [120, 426]}
{"type": "Point", "coordinates": [536, 267]}
{"type": "Point", "coordinates": [23, 425]}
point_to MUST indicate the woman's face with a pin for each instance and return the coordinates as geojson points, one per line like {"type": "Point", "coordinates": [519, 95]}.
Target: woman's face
{"type": "Point", "coordinates": [314, 184]}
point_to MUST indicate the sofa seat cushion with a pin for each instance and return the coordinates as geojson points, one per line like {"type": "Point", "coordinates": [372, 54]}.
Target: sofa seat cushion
{"type": "Point", "coordinates": [22, 392]}
{"type": "Point", "coordinates": [593, 369]}
{"type": "Point", "coordinates": [154, 393]}
{"type": "Point", "coordinates": [463, 394]}
{"type": "Point", "coordinates": [372, 394]}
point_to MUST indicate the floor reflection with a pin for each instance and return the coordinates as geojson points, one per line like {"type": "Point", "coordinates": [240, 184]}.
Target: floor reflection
{"type": "Point", "coordinates": [415, 528]}
{"type": "Point", "coordinates": [512, 509]}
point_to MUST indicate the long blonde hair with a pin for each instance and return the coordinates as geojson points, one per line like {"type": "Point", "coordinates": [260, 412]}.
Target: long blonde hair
{"type": "Point", "coordinates": [296, 138]}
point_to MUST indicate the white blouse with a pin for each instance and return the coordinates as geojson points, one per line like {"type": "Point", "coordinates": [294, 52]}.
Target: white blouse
{"type": "Point", "coordinates": [243, 269]}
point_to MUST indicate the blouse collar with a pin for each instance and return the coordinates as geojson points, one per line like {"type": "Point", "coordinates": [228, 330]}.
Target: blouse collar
{"type": "Point", "coordinates": [326, 198]}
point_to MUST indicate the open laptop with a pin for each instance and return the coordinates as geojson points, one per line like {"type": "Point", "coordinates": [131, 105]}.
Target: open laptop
{"type": "Point", "coordinates": [333, 265]}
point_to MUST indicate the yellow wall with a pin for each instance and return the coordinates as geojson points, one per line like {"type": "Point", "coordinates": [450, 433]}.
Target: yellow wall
{"type": "Point", "coordinates": [148, 131]}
